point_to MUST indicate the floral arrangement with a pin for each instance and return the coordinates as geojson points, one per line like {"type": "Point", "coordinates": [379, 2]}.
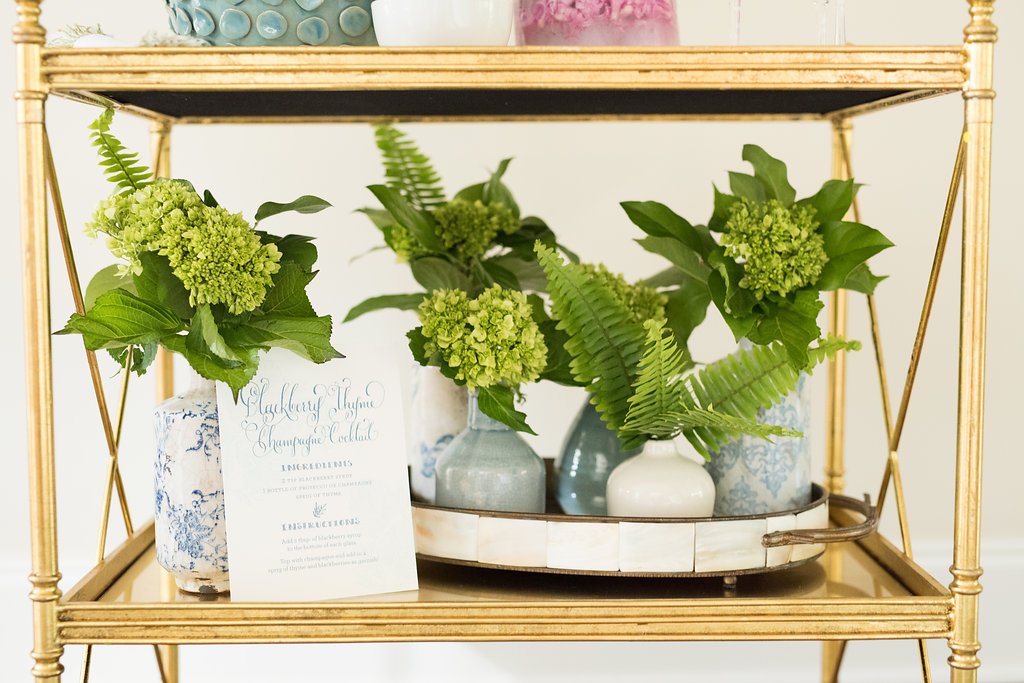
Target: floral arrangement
{"type": "Point", "coordinates": [490, 343]}
{"type": "Point", "coordinates": [598, 22]}
{"type": "Point", "coordinates": [773, 257]}
{"type": "Point", "coordinates": [646, 387]}
{"type": "Point", "coordinates": [470, 242]}
{"type": "Point", "coordinates": [194, 277]}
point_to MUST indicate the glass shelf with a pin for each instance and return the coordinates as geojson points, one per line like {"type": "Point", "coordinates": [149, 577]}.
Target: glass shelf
{"type": "Point", "coordinates": [856, 590]}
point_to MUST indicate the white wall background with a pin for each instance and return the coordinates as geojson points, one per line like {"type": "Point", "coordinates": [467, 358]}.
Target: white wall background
{"type": "Point", "coordinates": [573, 175]}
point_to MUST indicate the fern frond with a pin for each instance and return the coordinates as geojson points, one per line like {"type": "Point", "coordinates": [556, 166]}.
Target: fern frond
{"type": "Point", "coordinates": [407, 170]}
{"type": "Point", "coordinates": [120, 166]}
{"type": "Point", "coordinates": [605, 345]}
{"type": "Point", "coordinates": [721, 401]}
{"type": "Point", "coordinates": [659, 387]}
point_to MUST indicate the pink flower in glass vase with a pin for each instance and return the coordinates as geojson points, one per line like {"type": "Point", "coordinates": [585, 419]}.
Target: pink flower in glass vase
{"type": "Point", "coordinates": [597, 22]}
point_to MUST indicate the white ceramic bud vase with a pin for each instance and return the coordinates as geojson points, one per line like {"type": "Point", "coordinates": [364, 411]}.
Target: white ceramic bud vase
{"type": "Point", "coordinates": [660, 482]}
{"type": "Point", "coordinates": [191, 538]}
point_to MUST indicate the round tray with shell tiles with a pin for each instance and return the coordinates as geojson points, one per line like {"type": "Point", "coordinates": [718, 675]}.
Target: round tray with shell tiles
{"type": "Point", "coordinates": [635, 546]}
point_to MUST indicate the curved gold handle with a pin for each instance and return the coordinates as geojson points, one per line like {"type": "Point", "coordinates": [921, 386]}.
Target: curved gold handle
{"type": "Point", "coordinates": [837, 535]}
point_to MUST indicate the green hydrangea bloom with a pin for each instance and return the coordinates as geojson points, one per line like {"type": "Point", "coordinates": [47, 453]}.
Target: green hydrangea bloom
{"type": "Point", "coordinates": [216, 254]}
{"type": "Point", "coordinates": [644, 303]}
{"type": "Point", "coordinates": [780, 246]}
{"type": "Point", "coordinates": [402, 242]}
{"type": "Point", "coordinates": [470, 227]}
{"type": "Point", "coordinates": [489, 340]}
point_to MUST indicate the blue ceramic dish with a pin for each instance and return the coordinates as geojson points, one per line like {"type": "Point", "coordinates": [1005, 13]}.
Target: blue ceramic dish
{"type": "Point", "coordinates": [273, 22]}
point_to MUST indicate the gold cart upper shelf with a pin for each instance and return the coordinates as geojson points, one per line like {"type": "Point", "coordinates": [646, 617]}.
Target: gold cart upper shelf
{"type": "Point", "coordinates": [202, 85]}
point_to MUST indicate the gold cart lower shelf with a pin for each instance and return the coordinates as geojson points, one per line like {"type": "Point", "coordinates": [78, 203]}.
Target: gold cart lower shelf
{"type": "Point", "coordinates": [862, 590]}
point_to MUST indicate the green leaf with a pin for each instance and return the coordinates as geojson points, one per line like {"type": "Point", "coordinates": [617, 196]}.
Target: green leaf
{"type": "Point", "coordinates": [496, 192]}
{"type": "Point", "coordinates": [158, 283]}
{"type": "Point", "coordinates": [204, 339]}
{"type": "Point", "coordinates": [309, 338]}
{"type": "Point", "coordinates": [771, 172]}
{"type": "Point", "coordinates": [418, 346]}
{"type": "Point", "coordinates": [401, 302]}
{"type": "Point", "coordinates": [120, 318]}
{"type": "Point", "coordinates": [689, 263]}
{"type": "Point", "coordinates": [419, 222]}
{"type": "Point", "coordinates": [436, 273]}
{"type": "Point", "coordinates": [104, 281]}
{"type": "Point", "coordinates": [723, 203]}
{"type": "Point", "coordinates": [527, 275]}
{"type": "Point", "coordinates": [732, 299]}
{"type": "Point", "coordinates": [559, 367]}
{"type": "Point", "coordinates": [305, 204]}
{"type": "Point", "coordinates": [657, 220]}
{"type": "Point", "coordinates": [119, 166]}
{"type": "Point", "coordinates": [288, 298]}
{"type": "Point", "coordinates": [862, 280]}
{"type": "Point", "coordinates": [498, 402]}
{"type": "Point", "coordinates": [381, 218]}
{"type": "Point", "coordinates": [497, 273]}
{"type": "Point", "coordinates": [848, 245]}
{"type": "Point", "coordinates": [832, 202]}
{"type": "Point", "coordinates": [472, 193]}
{"type": "Point", "coordinates": [209, 200]}
{"type": "Point", "coordinates": [142, 357]}
{"type": "Point", "coordinates": [686, 309]}
{"type": "Point", "coordinates": [792, 322]}
{"type": "Point", "coordinates": [298, 249]}
{"type": "Point", "coordinates": [409, 172]}
{"type": "Point", "coordinates": [747, 186]}
{"type": "Point", "coordinates": [235, 377]}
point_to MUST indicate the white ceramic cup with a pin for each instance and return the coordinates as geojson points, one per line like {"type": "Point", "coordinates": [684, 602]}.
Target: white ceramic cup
{"type": "Point", "coordinates": [442, 22]}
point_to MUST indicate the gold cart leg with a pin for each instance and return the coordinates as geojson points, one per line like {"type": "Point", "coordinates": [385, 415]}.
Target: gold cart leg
{"type": "Point", "coordinates": [31, 103]}
{"type": "Point", "coordinates": [832, 652]}
{"type": "Point", "coordinates": [160, 138]}
{"type": "Point", "coordinates": [979, 37]}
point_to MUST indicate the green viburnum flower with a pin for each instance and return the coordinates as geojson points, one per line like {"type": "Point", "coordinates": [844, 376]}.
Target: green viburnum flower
{"type": "Point", "coordinates": [644, 303]}
{"type": "Point", "coordinates": [489, 340]}
{"type": "Point", "coordinates": [781, 247]}
{"type": "Point", "coordinates": [470, 227]}
{"type": "Point", "coordinates": [215, 254]}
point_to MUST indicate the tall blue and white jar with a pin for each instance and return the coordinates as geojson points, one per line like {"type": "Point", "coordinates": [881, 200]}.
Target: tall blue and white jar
{"type": "Point", "coordinates": [754, 476]}
{"type": "Point", "coordinates": [438, 413]}
{"type": "Point", "coordinates": [191, 536]}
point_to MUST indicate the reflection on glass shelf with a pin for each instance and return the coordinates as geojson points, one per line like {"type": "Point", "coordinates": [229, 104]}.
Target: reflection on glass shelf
{"type": "Point", "coordinates": [845, 571]}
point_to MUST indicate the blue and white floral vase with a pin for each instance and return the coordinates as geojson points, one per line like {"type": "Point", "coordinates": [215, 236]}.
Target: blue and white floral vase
{"type": "Point", "coordinates": [191, 537]}
{"type": "Point", "coordinates": [754, 476]}
{"type": "Point", "coordinates": [438, 414]}
{"type": "Point", "coordinates": [488, 466]}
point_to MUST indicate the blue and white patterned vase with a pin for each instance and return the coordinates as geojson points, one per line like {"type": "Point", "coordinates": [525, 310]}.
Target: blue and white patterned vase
{"type": "Point", "coordinates": [191, 538]}
{"type": "Point", "coordinates": [753, 476]}
{"type": "Point", "coordinates": [488, 466]}
{"type": "Point", "coordinates": [438, 413]}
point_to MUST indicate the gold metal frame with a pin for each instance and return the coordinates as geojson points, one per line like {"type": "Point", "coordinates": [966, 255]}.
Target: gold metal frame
{"type": "Point", "coordinates": [895, 599]}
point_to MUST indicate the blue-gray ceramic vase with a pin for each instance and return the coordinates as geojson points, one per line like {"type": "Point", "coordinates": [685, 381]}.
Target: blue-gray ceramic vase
{"type": "Point", "coordinates": [590, 452]}
{"type": "Point", "coordinates": [275, 23]}
{"type": "Point", "coordinates": [191, 539]}
{"type": "Point", "coordinates": [488, 466]}
{"type": "Point", "coordinates": [753, 476]}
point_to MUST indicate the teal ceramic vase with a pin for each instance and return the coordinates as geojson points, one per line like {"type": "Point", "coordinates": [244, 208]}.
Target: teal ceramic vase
{"type": "Point", "coordinates": [488, 466]}
{"type": "Point", "coordinates": [590, 452]}
{"type": "Point", "coordinates": [275, 23]}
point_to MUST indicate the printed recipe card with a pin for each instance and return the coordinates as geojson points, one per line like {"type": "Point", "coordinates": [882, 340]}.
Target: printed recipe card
{"type": "Point", "coordinates": [316, 489]}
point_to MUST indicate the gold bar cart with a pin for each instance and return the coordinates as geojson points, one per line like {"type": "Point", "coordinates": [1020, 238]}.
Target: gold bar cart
{"type": "Point", "coordinates": [882, 593]}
